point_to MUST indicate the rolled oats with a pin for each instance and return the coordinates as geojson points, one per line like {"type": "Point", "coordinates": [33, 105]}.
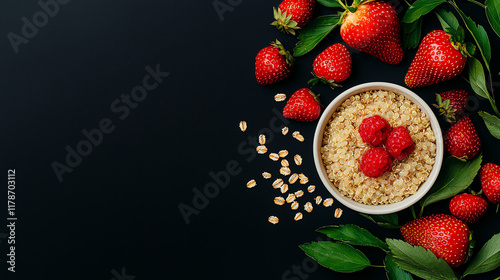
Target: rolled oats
{"type": "Point", "coordinates": [274, 156]}
{"type": "Point", "coordinates": [297, 159]}
{"type": "Point", "coordinates": [284, 130]}
{"type": "Point", "coordinates": [283, 153]}
{"type": "Point", "coordinates": [261, 149]}
{"type": "Point", "coordinates": [328, 202]}
{"type": "Point", "coordinates": [295, 205]}
{"type": "Point", "coordinates": [284, 188]}
{"type": "Point", "coordinates": [251, 184]}
{"type": "Point", "coordinates": [273, 220]}
{"type": "Point", "coordinates": [308, 207]}
{"type": "Point", "coordinates": [298, 136]}
{"type": "Point", "coordinates": [243, 126]}
{"type": "Point", "coordinates": [266, 175]}
{"type": "Point", "coordinates": [293, 178]}
{"type": "Point", "coordinates": [279, 200]}
{"type": "Point", "coordinates": [299, 193]}
{"type": "Point", "coordinates": [338, 213]}
{"type": "Point", "coordinates": [285, 163]}
{"type": "Point", "coordinates": [277, 183]}
{"type": "Point", "coordinates": [318, 199]}
{"type": "Point", "coordinates": [262, 139]}
{"type": "Point", "coordinates": [311, 188]}
{"type": "Point", "coordinates": [285, 171]}
{"type": "Point", "coordinates": [280, 97]}
{"type": "Point", "coordinates": [290, 198]}
{"type": "Point", "coordinates": [298, 216]}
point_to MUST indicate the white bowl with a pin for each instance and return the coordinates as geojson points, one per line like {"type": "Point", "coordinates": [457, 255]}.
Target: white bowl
{"type": "Point", "coordinates": [385, 208]}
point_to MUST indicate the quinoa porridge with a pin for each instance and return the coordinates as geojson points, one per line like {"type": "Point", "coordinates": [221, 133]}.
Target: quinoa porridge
{"type": "Point", "coordinates": [342, 148]}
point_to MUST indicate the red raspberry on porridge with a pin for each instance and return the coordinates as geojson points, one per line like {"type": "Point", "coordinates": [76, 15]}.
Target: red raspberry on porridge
{"type": "Point", "coordinates": [374, 130]}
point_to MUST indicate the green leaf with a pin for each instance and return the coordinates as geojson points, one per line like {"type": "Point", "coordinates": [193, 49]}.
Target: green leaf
{"type": "Point", "coordinates": [487, 259]}
{"type": "Point", "coordinates": [492, 123]}
{"type": "Point", "coordinates": [477, 78]}
{"type": "Point", "coordinates": [411, 34]}
{"type": "Point", "coordinates": [419, 261]}
{"type": "Point", "coordinates": [480, 37]}
{"type": "Point", "coordinates": [455, 177]}
{"type": "Point", "coordinates": [393, 271]}
{"type": "Point", "coordinates": [420, 8]}
{"type": "Point", "coordinates": [447, 19]}
{"type": "Point", "coordinates": [354, 235]}
{"type": "Point", "coordinates": [314, 32]}
{"type": "Point", "coordinates": [387, 221]}
{"type": "Point", "coordinates": [493, 14]}
{"type": "Point", "coordinates": [330, 3]}
{"type": "Point", "coordinates": [338, 257]}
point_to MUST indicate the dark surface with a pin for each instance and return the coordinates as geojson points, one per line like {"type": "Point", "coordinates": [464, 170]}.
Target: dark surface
{"type": "Point", "coordinates": [116, 215]}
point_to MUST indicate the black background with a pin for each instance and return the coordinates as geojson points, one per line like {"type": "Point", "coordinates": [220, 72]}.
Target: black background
{"type": "Point", "coordinates": [117, 212]}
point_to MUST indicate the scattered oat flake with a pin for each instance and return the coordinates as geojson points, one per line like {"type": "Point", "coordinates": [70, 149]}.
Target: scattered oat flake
{"type": "Point", "coordinates": [318, 199]}
{"type": "Point", "coordinates": [328, 202]}
{"type": "Point", "coordinates": [262, 139]}
{"type": "Point", "coordinates": [284, 188]}
{"type": "Point", "coordinates": [266, 175]}
{"type": "Point", "coordinates": [243, 126]}
{"type": "Point", "coordinates": [293, 178]}
{"type": "Point", "coordinates": [274, 156]}
{"type": "Point", "coordinates": [277, 183]}
{"type": "Point", "coordinates": [279, 200]}
{"type": "Point", "coordinates": [297, 159]}
{"type": "Point", "coordinates": [280, 97]}
{"type": "Point", "coordinates": [284, 130]}
{"type": "Point", "coordinates": [299, 193]}
{"type": "Point", "coordinates": [285, 163]}
{"type": "Point", "coordinates": [261, 149]}
{"type": "Point", "coordinates": [308, 207]}
{"type": "Point", "coordinates": [273, 220]}
{"type": "Point", "coordinates": [298, 136]}
{"type": "Point", "coordinates": [338, 213]}
{"type": "Point", "coordinates": [298, 216]}
{"type": "Point", "coordinates": [304, 181]}
{"type": "Point", "coordinates": [251, 184]}
{"type": "Point", "coordinates": [311, 188]}
{"type": "Point", "coordinates": [290, 198]}
{"type": "Point", "coordinates": [283, 153]}
{"type": "Point", "coordinates": [285, 171]}
{"type": "Point", "coordinates": [295, 205]}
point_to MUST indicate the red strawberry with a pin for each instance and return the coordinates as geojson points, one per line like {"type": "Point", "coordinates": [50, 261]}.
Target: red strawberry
{"type": "Point", "coordinates": [272, 64]}
{"type": "Point", "coordinates": [293, 14]}
{"type": "Point", "coordinates": [302, 106]}
{"type": "Point", "coordinates": [332, 66]}
{"type": "Point", "coordinates": [437, 60]}
{"type": "Point", "coordinates": [467, 207]}
{"type": "Point", "coordinates": [374, 28]}
{"type": "Point", "coordinates": [461, 139]}
{"type": "Point", "coordinates": [444, 235]}
{"type": "Point", "coordinates": [490, 181]}
{"type": "Point", "coordinates": [454, 107]}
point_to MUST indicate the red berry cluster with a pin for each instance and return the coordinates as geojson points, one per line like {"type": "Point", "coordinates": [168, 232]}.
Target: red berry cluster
{"type": "Point", "coordinates": [377, 132]}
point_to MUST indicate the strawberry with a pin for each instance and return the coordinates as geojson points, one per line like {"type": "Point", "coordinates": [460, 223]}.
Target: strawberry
{"type": "Point", "coordinates": [490, 181]}
{"type": "Point", "coordinates": [272, 64]}
{"type": "Point", "coordinates": [467, 207]}
{"type": "Point", "coordinates": [451, 103]}
{"type": "Point", "coordinates": [302, 106]}
{"type": "Point", "coordinates": [293, 14]}
{"type": "Point", "coordinates": [374, 28]}
{"type": "Point", "coordinates": [332, 66]}
{"type": "Point", "coordinates": [461, 139]}
{"type": "Point", "coordinates": [439, 58]}
{"type": "Point", "coordinates": [444, 235]}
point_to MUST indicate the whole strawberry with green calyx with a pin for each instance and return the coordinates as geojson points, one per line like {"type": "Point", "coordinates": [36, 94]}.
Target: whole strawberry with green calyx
{"type": "Point", "coordinates": [302, 106]}
{"type": "Point", "coordinates": [444, 235]}
{"type": "Point", "coordinates": [490, 181]}
{"type": "Point", "coordinates": [273, 64]}
{"type": "Point", "coordinates": [332, 66]}
{"type": "Point", "coordinates": [440, 57]}
{"type": "Point", "coordinates": [461, 139]}
{"type": "Point", "coordinates": [373, 27]}
{"type": "Point", "coordinates": [451, 104]}
{"type": "Point", "coordinates": [293, 14]}
{"type": "Point", "coordinates": [467, 207]}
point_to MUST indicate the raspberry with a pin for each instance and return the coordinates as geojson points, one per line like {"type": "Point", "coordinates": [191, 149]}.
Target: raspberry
{"type": "Point", "coordinates": [375, 162]}
{"type": "Point", "coordinates": [374, 130]}
{"type": "Point", "coordinates": [399, 143]}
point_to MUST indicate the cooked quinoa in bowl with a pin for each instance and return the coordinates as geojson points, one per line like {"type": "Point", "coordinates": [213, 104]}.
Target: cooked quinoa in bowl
{"type": "Point", "coordinates": [338, 148]}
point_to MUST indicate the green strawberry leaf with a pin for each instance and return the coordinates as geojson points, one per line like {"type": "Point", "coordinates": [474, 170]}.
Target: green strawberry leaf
{"type": "Point", "coordinates": [314, 32]}
{"type": "Point", "coordinates": [492, 123]}
{"type": "Point", "coordinates": [487, 259]}
{"type": "Point", "coordinates": [480, 37]}
{"type": "Point", "coordinates": [447, 19]}
{"type": "Point", "coordinates": [419, 261]}
{"type": "Point", "coordinates": [493, 14]}
{"type": "Point", "coordinates": [330, 3]}
{"type": "Point", "coordinates": [455, 177]}
{"type": "Point", "coordinates": [338, 257]}
{"type": "Point", "coordinates": [420, 8]}
{"type": "Point", "coordinates": [354, 235]}
{"type": "Point", "coordinates": [393, 271]}
{"type": "Point", "coordinates": [411, 34]}
{"type": "Point", "coordinates": [387, 221]}
{"type": "Point", "coordinates": [477, 78]}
